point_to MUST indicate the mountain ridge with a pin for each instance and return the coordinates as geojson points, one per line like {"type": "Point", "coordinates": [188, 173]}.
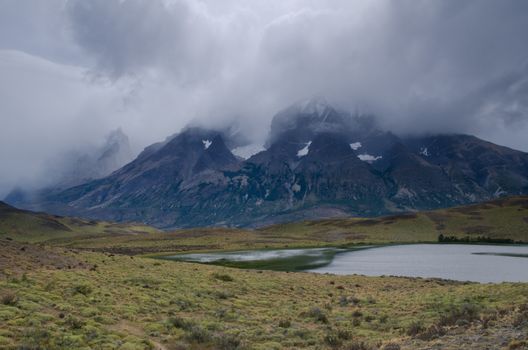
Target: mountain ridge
{"type": "Point", "coordinates": [319, 162]}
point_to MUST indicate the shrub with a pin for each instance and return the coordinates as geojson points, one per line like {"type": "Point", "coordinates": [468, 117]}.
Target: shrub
{"type": "Point", "coordinates": [354, 300]}
{"type": "Point", "coordinates": [83, 289]}
{"type": "Point", "coordinates": [415, 328]}
{"type": "Point", "coordinates": [223, 277]}
{"type": "Point", "coordinates": [181, 323]}
{"type": "Point", "coordinates": [432, 332]}
{"type": "Point", "coordinates": [74, 322]}
{"type": "Point", "coordinates": [198, 335]}
{"type": "Point", "coordinates": [178, 346]}
{"type": "Point", "coordinates": [332, 340]}
{"type": "Point", "coordinates": [222, 294]}
{"type": "Point", "coordinates": [301, 333]}
{"type": "Point", "coordinates": [284, 323]}
{"type": "Point", "coordinates": [369, 318]}
{"type": "Point", "coordinates": [183, 304]}
{"type": "Point", "coordinates": [221, 313]}
{"type": "Point", "coordinates": [458, 315]}
{"type": "Point", "coordinates": [344, 334]}
{"type": "Point", "coordinates": [318, 315]}
{"type": "Point", "coordinates": [357, 314]}
{"type": "Point", "coordinates": [391, 346]}
{"type": "Point", "coordinates": [518, 344]}
{"type": "Point", "coordinates": [521, 319]}
{"type": "Point", "coordinates": [35, 338]}
{"type": "Point", "coordinates": [488, 318]}
{"type": "Point", "coordinates": [371, 300]}
{"type": "Point", "coordinates": [227, 342]}
{"type": "Point", "coordinates": [356, 345]}
{"type": "Point", "coordinates": [9, 299]}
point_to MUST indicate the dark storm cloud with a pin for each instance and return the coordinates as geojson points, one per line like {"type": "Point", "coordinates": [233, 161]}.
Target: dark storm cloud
{"type": "Point", "coordinates": [410, 61]}
{"type": "Point", "coordinates": [130, 37]}
{"type": "Point", "coordinates": [421, 66]}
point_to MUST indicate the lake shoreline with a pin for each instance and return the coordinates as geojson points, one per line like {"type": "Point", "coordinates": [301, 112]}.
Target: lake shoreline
{"type": "Point", "coordinates": [344, 260]}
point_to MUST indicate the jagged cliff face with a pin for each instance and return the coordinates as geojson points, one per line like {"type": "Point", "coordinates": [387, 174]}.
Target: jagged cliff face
{"type": "Point", "coordinates": [318, 162]}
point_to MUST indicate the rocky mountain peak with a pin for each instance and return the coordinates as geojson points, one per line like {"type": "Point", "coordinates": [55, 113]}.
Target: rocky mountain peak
{"type": "Point", "coordinates": [306, 119]}
{"type": "Point", "coordinates": [318, 158]}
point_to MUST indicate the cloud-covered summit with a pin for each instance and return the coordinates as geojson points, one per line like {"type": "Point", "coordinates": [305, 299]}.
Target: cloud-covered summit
{"type": "Point", "coordinates": [74, 69]}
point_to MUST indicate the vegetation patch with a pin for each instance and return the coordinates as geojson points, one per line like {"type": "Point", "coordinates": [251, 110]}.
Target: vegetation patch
{"type": "Point", "coordinates": [223, 277]}
{"type": "Point", "coordinates": [9, 299]}
{"type": "Point", "coordinates": [76, 289]}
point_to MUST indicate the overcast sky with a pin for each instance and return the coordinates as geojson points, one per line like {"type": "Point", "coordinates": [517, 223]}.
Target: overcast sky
{"type": "Point", "coordinates": [72, 70]}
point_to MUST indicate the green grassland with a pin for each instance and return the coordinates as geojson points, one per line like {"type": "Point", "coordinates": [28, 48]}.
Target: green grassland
{"type": "Point", "coordinates": [27, 226]}
{"type": "Point", "coordinates": [499, 219]}
{"type": "Point", "coordinates": [67, 283]}
{"type": "Point", "coordinates": [107, 301]}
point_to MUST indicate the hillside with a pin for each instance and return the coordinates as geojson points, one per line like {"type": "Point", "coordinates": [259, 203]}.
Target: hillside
{"type": "Point", "coordinates": [28, 226]}
{"type": "Point", "coordinates": [504, 219]}
{"type": "Point", "coordinates": [498, 219]}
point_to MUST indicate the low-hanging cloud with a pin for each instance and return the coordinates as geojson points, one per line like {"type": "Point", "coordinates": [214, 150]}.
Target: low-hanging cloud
{"type": "Point", "coordinates": [152, 66]}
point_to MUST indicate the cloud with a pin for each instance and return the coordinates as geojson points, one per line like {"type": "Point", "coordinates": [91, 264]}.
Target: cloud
{"type": "Point", "coordinates": [45, 109]}
{"type": "Point", "coordinates": [422, 66]}
{"type": "Point", "coordinates": [74, 69]}
{"type": "Point", "coordinates": [135, 36]}
{"type": "Point", "coordinates": [37, 28]}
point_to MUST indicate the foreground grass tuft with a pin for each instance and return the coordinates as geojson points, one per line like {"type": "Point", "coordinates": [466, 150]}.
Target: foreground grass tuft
{"type": "Point", "coordinates": [223, 277]}
{"type": "Point", "coordinates": [9, 299]}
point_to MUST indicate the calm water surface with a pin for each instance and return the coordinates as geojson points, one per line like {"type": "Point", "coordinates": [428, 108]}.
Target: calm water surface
{"type": "Point", "coordinates": [276, 259]}
{"type": "Point", "coordinates": [463, 262]}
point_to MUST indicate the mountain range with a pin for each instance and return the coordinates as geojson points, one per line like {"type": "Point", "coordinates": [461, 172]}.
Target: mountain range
{"type": "Point", "coordinates": [317, 162]}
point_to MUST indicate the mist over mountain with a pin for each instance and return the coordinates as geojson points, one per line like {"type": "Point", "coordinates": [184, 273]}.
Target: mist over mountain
{"type": "Point", "coordinates": [78, 167]}
{"type": "Point", "coordinates": [72, 70]}
{"type": "Point", "coordinates": [317, 162]}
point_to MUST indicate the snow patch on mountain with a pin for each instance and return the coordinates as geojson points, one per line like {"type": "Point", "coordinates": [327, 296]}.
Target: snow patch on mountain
{"type": "Point", "coordinates": [304, 151]}
{"type": "Point", "coordinates": [207, 143]}
{"type": "Point", "coordinates": [247, 151]}
{"type": "Point", "coordinates": [369, 158]}
{"type": "Point", "coordinates": [355, 146]}
{"type": "Point", "coordinates": [424, 152]}
{"type": "Point", "coordinates": [296, 187]}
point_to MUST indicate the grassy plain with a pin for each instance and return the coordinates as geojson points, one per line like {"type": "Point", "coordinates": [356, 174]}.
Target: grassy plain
{"type": "Point", "coordinates": [499, 219]}
{"type": "Point", "coordinates": [74, 284]}
{"type": "Point", "coordinates": [87, 300]}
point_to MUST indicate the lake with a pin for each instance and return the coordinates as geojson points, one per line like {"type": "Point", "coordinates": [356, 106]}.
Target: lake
{"type": "Point", "coordinates": [277, 259]}
{"type": "Point", "coordinates": [462, 262]}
